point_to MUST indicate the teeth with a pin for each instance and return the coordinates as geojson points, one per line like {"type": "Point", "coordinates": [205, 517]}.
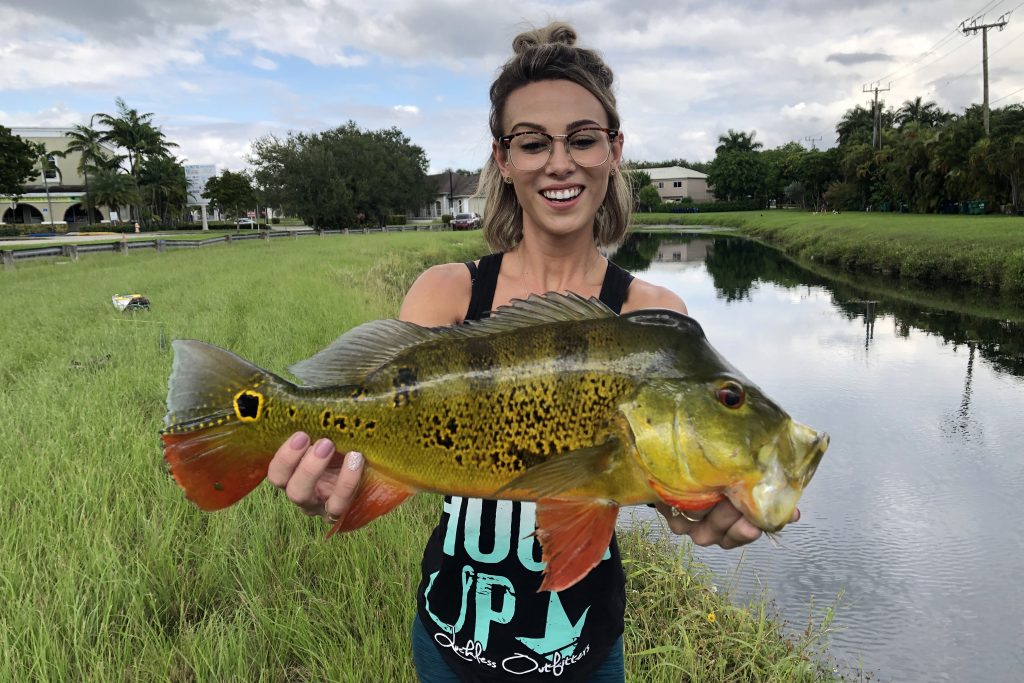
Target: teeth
{"type": "Point", "coordinates": [562, 194]}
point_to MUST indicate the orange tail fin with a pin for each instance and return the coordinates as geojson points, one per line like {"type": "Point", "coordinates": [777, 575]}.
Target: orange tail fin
{"type": "Point", "coordinates": [213, 473]}
{"type": "Point", "coordinates": [208, 403]}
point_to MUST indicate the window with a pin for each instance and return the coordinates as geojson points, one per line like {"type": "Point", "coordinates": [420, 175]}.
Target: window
{"type": "Point", "coordinates": [677, 183]}
{"type": "Point", "coordinates": [51, 173]}
{"type": "Point", "coordinates": [661, 184]}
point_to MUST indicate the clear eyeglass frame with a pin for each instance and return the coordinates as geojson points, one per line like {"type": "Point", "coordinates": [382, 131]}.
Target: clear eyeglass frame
{"type": "Point", "coordinates": [542, 160]}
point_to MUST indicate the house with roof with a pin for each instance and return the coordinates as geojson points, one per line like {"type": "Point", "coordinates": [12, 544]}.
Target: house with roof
{"type": "Point", "coordinates": [59, 198]}
{"type": "Point", "coordinates": [453, 193]}
{"type": "Point", "coordinates": [675, 182]}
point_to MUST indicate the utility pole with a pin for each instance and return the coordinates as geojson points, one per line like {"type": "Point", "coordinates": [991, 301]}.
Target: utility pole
{"type": "Point", "coordinates": [876, 132]}
{"type": "Point", "coordinates": [974, 27]}
{"type": "Point", "coordinates": [811, 139]}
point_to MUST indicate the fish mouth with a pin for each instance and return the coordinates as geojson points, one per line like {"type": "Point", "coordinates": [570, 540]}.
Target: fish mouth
{"type": "Point", "coordinates": [769, 498]}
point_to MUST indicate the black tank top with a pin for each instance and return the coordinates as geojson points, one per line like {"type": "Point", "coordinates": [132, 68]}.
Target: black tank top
{"type": "Point", "coordinates": [481, 569]}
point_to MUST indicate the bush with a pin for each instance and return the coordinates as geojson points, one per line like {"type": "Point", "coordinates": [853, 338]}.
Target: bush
{"type": "Point", "coordinates": [275, 220]}
{"type": "Point", "coordinates": [447, 218]}
{"type": "Point", "coordinates": [396, 219]}
{"type": "Point", "coordinates": [709, 207]}
{"type": "Point", "coordinates": [11, 231]}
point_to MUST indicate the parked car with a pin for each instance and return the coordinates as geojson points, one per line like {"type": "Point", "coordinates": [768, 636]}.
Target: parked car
{"type": "Point", "coordinates": [245, 223]}
{"type": "Point", "coordinates": [466, 221]}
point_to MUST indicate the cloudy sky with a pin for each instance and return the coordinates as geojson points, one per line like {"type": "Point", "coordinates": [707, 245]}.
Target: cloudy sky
{"type": "Point", "coordinates": [219, 74]}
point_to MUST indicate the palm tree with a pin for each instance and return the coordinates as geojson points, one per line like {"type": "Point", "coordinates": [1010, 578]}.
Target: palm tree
{"type": "Point", "coordinates": [45, 159]}
{"type": "Point", "coordinates": [113, 189]}
{"type": "Point", "coordinates": [738, 141]}
{"type": "Point", "coordinates": [924, 113]}
{"type": "Point", "coordinates": [163, 178]}
{"type": "Point", "coordinates": [87, 142]}
{"type": "Point", "coordinates": [135, 133]}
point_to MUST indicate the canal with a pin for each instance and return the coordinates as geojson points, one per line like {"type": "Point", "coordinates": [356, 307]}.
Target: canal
{"type": "Point", "coordinates": [913, 517]}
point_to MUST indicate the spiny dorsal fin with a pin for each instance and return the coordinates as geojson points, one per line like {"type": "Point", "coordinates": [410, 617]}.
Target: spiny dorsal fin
{"type": "Point", "coordinates": [363, 349]}
{"type": "Point", "coordinates": [360, 351]}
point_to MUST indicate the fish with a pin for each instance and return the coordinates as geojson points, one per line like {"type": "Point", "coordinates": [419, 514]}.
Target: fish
{"type": "Point", "coordinates": [554, 399]}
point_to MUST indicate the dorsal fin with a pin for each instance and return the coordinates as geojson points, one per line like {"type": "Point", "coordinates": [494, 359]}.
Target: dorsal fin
{"type": "Point", "coordinates": [363, 349]}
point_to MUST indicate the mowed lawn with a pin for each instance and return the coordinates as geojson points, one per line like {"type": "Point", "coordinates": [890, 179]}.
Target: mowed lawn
{"type": "Point", "coordinates": [977, 251]}
{"type": "Point", "coordinates": [108, 574]}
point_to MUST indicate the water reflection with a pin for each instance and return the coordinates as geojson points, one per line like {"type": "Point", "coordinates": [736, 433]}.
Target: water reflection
{"type": "Point", "coordinates": [913, 510]}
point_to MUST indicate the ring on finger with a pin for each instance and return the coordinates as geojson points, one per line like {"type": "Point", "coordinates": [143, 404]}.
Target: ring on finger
{"type": "Point", "coordinates": [676, 512]}
{"type": "Point", "coordinates": [332, 519]}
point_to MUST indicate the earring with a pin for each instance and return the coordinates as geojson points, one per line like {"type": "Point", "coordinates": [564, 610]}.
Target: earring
{"type": "Point", "coordinates": [613, 171]}
{"type": "Point", "coordinates": [508, 180]}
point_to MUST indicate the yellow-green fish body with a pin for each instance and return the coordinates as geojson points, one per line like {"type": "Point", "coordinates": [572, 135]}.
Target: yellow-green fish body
{"type": "Point", "coordinates": [555, 399]}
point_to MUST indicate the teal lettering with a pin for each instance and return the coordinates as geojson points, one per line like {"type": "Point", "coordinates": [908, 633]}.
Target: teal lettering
{"type": "Point", "coordinates": [486, 586]}
{"type": "Point", "coordinates": [502, 530]}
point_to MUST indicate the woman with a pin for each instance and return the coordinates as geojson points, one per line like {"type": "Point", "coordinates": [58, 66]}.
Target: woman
{"type": "Point", "coordinates": [555, 193]}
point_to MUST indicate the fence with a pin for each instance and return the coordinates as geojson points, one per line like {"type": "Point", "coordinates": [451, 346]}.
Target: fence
{"type": "Point", "coordinates": [124, 245]}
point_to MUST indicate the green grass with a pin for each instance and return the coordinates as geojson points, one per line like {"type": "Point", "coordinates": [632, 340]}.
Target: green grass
{"type": "Point", "coordinates": [981, 251]}
{"type": "Point", "coordinates": [108, 574]}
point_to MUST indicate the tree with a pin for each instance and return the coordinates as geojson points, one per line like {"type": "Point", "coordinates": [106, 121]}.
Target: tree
{"type": "Point", "coordinates": [136, 134]}
{"type": "Point", "coordinates": [230, 192]}
{"type": "Point", "coordinates": [45, 159]}
{"type": "Point", "coordinates": [17, 162]}
{"type": "Point", "coordinates": [648, 198]}
{"type": "Point", "coordinates": [342, 176]}
{"type": "Point", "coordinates": [736, 175]}
{"type": "Point", "coordinates": [738, 141]}
{"type": "Point", "coordinates": [923, 113]}
{"type": "Point", "coordinates": [113, 189]}
{"type": "Point", "coordinates": [86, 142]}
{"type": "Point", "coordinates": [637, 181]}
{"type": "Point", "coordinates": [163, 183]}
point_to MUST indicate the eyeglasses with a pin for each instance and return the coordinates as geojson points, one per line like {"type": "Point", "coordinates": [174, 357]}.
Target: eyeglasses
{"type": "Point", "coordinates": [530, 150]}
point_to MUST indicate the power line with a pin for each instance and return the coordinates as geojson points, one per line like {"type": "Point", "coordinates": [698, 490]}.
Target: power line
{"type": "Point", "coordinates": [940, 43]}
{"type": "Point", "coordinates": [1010, 95]}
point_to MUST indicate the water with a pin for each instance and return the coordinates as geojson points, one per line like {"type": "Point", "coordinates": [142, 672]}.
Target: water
{"type": "Point", "coordinates": [914, 513]}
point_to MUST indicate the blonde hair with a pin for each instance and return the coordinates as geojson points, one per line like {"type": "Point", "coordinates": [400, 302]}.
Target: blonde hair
{"type": "Point", "coordinates": [550, 53]}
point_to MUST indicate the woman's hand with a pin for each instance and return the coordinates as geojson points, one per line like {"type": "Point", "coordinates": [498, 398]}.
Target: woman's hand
{"type": "Point", "coordinates": [318, 479]}
{"type": "Point", "coordinates": [722, 525]}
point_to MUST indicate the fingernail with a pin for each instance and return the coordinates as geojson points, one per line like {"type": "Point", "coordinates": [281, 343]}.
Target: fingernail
{"type": "Point", "coordinates": [354, 460]}
{"type": "Point", "coordinates": [324, 448]}
{"type": "Point", "coordinates": [299, 441]}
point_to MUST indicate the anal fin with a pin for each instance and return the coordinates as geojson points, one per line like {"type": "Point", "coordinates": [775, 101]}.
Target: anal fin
{"type": "Point", "coordinates": [573, 534]}
{"type": "Point", "coordinates": [377, 495]}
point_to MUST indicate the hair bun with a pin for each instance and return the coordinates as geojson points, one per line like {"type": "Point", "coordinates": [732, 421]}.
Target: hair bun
{"type": "Point", "coordinates": [554, 33]}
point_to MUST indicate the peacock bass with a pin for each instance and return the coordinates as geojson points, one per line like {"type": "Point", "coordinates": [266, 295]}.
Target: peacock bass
{"type": "Point", "coordinates": [554, 399]}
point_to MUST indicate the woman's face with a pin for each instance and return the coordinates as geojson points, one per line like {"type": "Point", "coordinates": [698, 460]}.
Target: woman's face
{"type": "Point", "coordinates": [560, 197]}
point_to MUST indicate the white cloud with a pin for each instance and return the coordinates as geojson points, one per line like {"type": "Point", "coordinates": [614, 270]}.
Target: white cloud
{"type": "Point", "coordinates": [407, 109]}
{"type": "Point", "coordinates": [261, 62]}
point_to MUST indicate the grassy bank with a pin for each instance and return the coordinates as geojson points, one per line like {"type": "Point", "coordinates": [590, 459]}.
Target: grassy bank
{"type": "Point", "coordinates": [107, 574]}
{"type": "Point", "coordinates": [983, 251]}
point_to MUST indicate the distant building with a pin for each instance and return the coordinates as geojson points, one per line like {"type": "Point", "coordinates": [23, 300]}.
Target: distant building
{"type": "Point", "coordinates": [66, 186]}
{"type": "Point", "coordinates": [675, 182]}
{"type": "Point", "coordinates": [453, 193]}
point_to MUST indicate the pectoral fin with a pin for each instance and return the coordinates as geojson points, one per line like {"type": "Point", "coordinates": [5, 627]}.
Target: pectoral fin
{"type": "Point", "coordinates": [377, 495]}
{"type": "Point", "coordinates": [687, 500]}
{"type": "Point", "coordinates": [573, 534]}
{"type": "Point", "coordinates": [564, 472]}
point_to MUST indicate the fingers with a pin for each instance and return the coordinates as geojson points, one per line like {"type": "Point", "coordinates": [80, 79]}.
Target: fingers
{"type": "Point", "coordinates": [287, 459]}
{"type": "Point", "coordinates": [301, 487]}
{"type": "Point", "coordinates": [722, 525]}
{"type": "Point", "coordinates": [345, 488]}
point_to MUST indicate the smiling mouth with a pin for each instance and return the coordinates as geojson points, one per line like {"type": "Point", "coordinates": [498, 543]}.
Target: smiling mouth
{"type": "Point", "coordinates": [565, 195]}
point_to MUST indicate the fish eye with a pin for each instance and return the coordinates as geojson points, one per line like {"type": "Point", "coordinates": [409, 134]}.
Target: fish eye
{"type": "Point", "coordinates": [731, 395]}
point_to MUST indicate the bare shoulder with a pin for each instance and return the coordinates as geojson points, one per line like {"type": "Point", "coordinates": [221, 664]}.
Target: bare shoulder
{"type": "Point", "coordinates": [643, 294]}
{"type": "Point", "coordinates": [439, 296]}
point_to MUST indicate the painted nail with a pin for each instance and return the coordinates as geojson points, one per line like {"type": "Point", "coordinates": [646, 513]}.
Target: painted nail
{"type": "Point", "coordinates": [354, 460]}
{"type": "Point", "coordinates": [324, 448]}
{"type": "Point", "coordinates": [299, 441]}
